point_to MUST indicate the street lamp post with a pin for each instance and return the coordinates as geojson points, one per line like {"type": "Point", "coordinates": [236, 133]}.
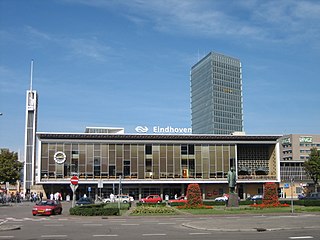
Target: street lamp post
{"type": "Point", "coordinates": [292, 182]}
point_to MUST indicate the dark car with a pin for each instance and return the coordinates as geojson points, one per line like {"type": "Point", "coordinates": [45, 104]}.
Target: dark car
{"type": "Point", "coordinates": [313, 196]}
{"type": "Point", "coordinates": [84, 201]}
{"type": "Point", "coordinates": [47, 207]}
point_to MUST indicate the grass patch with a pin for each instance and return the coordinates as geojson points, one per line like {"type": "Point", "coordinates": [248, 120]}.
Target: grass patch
{"type": "Point", "coordinates": [219, 210]}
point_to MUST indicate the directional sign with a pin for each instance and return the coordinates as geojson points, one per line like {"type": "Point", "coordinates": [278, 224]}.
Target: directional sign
{"type": "Point", "coordinates": [74, 180]}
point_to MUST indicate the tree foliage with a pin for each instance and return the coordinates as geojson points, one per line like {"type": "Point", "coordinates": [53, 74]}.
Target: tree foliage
{"type": "Point", "coordinates": [312, 166]}
{"type": "Point", "coordinates": [10, 167]}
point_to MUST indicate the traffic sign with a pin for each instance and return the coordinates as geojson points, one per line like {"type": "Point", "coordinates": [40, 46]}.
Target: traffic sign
{"type": "Point", "coordinates": [74, 180]}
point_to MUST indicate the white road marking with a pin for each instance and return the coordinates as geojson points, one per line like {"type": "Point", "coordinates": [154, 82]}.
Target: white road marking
{"type": "Point", "coordinates": [199, 233]}
{"type": "Point", "coordinates": [4, 222]}
{"type": "Point", "coordinates": [302, 237]}
{"type": "Point", "coordinates": [107, 235]}
{"type": "Point", "coordinates": [167, 223]}
{"type": "Point", "coordinates": [130, 224]}
{"type": "Point", "coordinates": [92, 224]}
{"type": "Point", "coordinates": [6, 237]}
{"type": "Point", "coordinates": [154, 234]}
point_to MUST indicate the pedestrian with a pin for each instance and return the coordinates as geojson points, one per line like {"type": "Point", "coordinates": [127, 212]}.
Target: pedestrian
{"type": "Point", "coordinates": [51, 196]}
{"type": "Point", "coordinates": [112, 197]}
{"type": "Point", "coordinates": [41, 196]}
{"type": "Point", "coordinates": [35, 197]}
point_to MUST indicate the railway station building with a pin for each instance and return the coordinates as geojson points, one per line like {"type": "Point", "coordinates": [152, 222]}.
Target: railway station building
{"type": "Point", "coordinates": [143, 164]}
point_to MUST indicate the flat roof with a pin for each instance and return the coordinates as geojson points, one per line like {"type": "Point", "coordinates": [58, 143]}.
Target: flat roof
{"type": "Point", "coordinates": [163, 137]}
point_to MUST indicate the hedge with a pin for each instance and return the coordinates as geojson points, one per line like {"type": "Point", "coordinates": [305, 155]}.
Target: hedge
{"type": "Point", "coordinates": [307, 203]}
{"type": "Point", "coordinates": [216, 203]}
{"type": "Point", "coordinates": [94, 210]}
{"type": "Point", "coordinates": [151, 204]}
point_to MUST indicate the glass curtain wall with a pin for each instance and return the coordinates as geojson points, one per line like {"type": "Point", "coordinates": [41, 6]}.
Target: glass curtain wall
{"type": "Point", "coordinates": [137, 161]}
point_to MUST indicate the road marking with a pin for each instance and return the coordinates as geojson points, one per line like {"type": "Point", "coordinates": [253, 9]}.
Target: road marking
{"type": "Point", "coordinates": [302, 237]}
{"type": "Point", "coordinates": [6, 237]}
{"type": "Point", "coordinates": [154, 234]}
{"type": "Point", "coordinates": [107, 235]}
{"type": "Point", "coordinates": [130, 224]}
{"type": "Point", "coordinates": [199, 233]}
{"type": "Point", "coordinates": [53, 236]}
{"type": "Point", "coordinates": [167, 223]}
{"type": "Point", "coordinates": [4, 222]}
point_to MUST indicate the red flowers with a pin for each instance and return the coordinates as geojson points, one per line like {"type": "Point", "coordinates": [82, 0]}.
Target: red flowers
{"type": "Point", "coordinates": [270, 197]}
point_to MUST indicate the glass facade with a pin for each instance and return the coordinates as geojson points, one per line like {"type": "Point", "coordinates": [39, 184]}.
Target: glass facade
{"type": "Point", "coordinates": [154, 164]}
{"type": "Point", "coordinates": [137, 161]}
{"type": "Point", "coordinates": [216, 95]}
{"type": "Point", "coordinates": [155, 160]}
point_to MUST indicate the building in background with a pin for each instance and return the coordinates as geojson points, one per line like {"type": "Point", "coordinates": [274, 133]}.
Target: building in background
{"type": "Point", "coordinates": [294, 151]}
{"type": "Point", "coordinates": [216, 95]}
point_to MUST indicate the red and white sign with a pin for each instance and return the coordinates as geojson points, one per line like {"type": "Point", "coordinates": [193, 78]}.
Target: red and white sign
{"type": "Point", "coordinates": [74, 180]}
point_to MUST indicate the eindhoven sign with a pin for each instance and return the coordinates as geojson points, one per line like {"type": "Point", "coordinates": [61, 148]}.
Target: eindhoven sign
{"type": "Point", "coordinates": [168, 129]}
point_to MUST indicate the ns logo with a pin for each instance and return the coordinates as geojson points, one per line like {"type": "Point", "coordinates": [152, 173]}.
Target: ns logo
{"type": "Point", "coordinates": [141, 129]}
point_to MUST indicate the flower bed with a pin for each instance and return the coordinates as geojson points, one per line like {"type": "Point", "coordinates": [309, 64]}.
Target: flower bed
{"type": "Point", "coordinates": [153, 210]}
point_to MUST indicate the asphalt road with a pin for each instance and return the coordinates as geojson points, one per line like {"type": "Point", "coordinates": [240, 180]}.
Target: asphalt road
{"type": "Point", "coordinates": [178, 227]}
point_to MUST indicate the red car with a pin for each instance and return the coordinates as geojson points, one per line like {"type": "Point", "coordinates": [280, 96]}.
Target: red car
{"type": "Point", "coordinates": [180, 199]}
{"type": "Point", "coordinates": [152, 199]}
{"type": "Point", "coordinates": [47, 207]}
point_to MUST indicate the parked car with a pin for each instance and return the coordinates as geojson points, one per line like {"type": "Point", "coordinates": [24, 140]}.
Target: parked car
{"type": "Point", "coordinates": [313, 196]}
{"type": "Point", "coordinates": [84, 201]}
{"type": "Point", "coordinates": [221, 199]}
{"type": "Point", "coordinates": [180, 199]}
{"type": "Point", "coordinates": [257, 197]}
{"type": "Point", "coordinates": [152, 199]}
{"type": "Point", "coordinates": [121, 198]}
{"type": "Point", "coordinates": [47, 207]}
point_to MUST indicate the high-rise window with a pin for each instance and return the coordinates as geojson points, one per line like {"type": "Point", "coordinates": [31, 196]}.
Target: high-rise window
{"type": "Point", "coordinates": [216, 95]}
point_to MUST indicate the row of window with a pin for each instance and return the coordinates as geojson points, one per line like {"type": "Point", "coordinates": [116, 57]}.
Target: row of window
{"type": "Point", "coordinates": [138, 161]}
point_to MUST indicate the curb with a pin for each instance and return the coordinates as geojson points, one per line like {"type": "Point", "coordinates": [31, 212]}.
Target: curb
{"type": "Point", "coordinates": [260, 229]}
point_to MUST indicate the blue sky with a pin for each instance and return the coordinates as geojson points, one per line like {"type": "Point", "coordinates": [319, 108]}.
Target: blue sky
{"type": "Point", "coordinates": [127, 63]}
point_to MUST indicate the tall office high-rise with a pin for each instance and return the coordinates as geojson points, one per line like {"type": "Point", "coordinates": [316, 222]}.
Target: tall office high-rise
{"type": "Point", "coordinates": [216, 95]}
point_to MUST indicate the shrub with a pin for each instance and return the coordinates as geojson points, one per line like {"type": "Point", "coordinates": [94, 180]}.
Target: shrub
{"type": "Point", "coordinates": [214, 203]}
{"type": "Point", "coordinates": [151, 204]}
{"type": "Point", "coordinates": [123, 206]}
{"type": "Point", "coordinates": [153, 209]}
{"type": "Point", "coordinates": [194, 195]}
{"type": "Point", "coordinates": [270, 196]}
{"type": "Point", "coordinates": [199, 206]}
{"type": "Point", "coordinates": [92, 210]}
{"type": "Point", "coordinates": [174, 204]}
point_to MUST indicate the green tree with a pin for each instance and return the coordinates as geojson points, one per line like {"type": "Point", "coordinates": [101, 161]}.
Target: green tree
{"type": "Point", "coordinates": [10, 167]}
{"type": "Point", "coordinates": [312, 166]}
